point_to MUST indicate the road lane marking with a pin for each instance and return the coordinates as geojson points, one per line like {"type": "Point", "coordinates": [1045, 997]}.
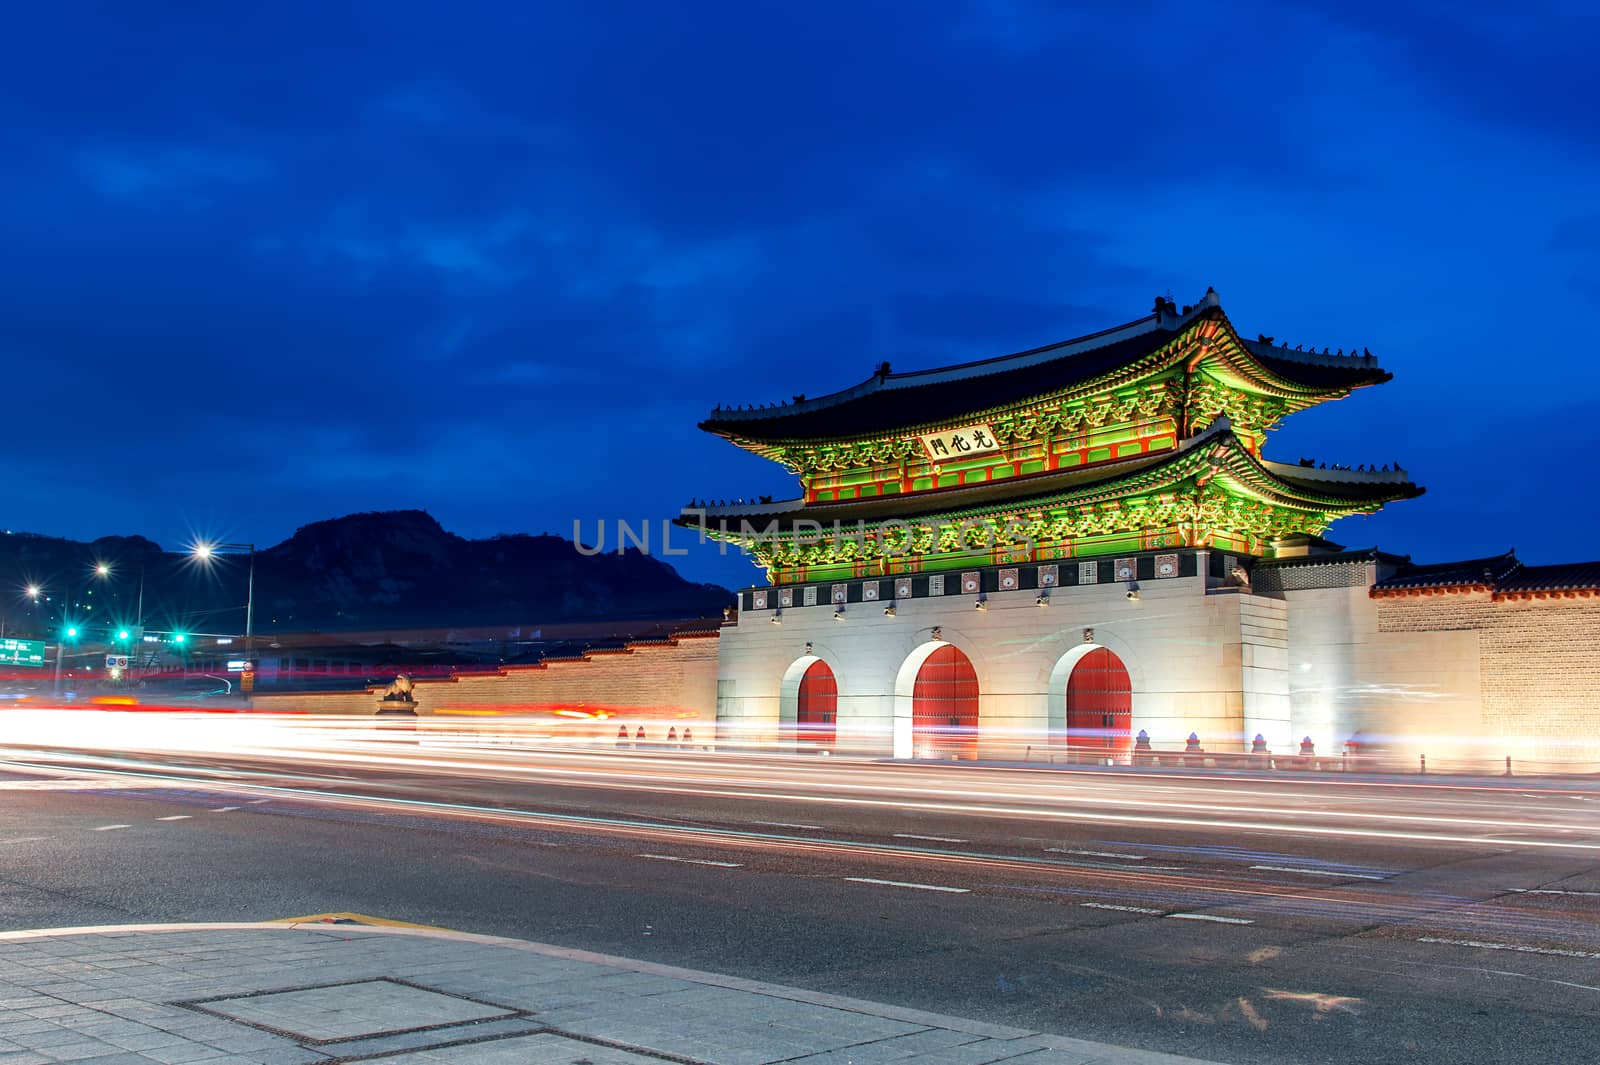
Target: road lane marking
{"type": "Point", "coordinates": [25, 839]}
{"type": "Point", "coordinates": [1317, 872]}
{"type": "Point", "coordinates": [786, 824]}
{"type": "Point", "coordinates": [1097, 854]}
{"type": "Point", "coordinates": [258, 802]}
{"type": "Point", "coordinates": [933, 839]}
{"type": "Point", "coordinates": [224, 809]}
{"type": "Point", "coordinates": [693, 861]}
{"type": "Point", "coordinates": [1550, 891]}
{"type": "Point", "coordinates": [905, 884]}
{"type": "Point", "coordinates": [1209, 917]}
{"type": "Point", "coordinates": [174, 817]}
{"type": "Point", "coordinates": [1121, 909]}
{"type": "Point", "coordinates": [108, 828]}
{"type": "Point", "coordinates": [1518, 948]}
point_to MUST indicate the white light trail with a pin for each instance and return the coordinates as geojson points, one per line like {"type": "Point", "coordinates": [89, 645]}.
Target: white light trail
{"type": "Point", "coordinates": [1317, 872]}
{"type": "Point", "coordinates": [1119, 908]}
{"type": "Point", "coordinates": [906, 884]}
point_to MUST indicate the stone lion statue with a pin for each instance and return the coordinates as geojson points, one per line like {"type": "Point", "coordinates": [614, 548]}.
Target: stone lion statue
{"type": "Point", "coordinates": [399, 690]}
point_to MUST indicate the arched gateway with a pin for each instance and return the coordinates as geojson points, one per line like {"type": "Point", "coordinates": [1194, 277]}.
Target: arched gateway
{"type": "Point", "coordinates": [817, 707]}
{"type": "Point", "coordinates": [944, 706]}
{"type": "Point", "coordinates": [1099, 703]}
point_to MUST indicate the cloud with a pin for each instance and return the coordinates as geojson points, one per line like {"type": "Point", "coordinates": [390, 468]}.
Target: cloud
{"type": "Point", "coordinates": [504, 259]}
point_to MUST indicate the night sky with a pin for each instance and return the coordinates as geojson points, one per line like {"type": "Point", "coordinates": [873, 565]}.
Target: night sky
{"type": "Point", "coordinates": [270, 264]}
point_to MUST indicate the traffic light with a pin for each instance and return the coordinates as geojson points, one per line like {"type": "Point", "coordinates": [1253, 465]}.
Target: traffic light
{"type": "Point", "coordinates": [71, 632]}
{"type": "Point", "coordinates": [122, 635]}
{"type": "Point", "coordinates": [179, 637]}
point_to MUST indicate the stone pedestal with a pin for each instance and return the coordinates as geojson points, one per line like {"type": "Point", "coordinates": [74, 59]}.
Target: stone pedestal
{"type": "Point", "coordinates": [397, 708]}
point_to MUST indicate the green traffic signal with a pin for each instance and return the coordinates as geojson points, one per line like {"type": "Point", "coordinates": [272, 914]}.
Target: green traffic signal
{"type": "Point", "coordinates": [72, 632]}
{"type": "Point", "coordinates": [122, 634]}
{"type": "Point", "coordinates": [178, 637]}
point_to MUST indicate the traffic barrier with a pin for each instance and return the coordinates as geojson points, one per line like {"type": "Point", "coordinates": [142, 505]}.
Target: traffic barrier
{"type": "Point", "coordinates": [622, 736]}
{"type": "Point", "coordinates": [672, 734]}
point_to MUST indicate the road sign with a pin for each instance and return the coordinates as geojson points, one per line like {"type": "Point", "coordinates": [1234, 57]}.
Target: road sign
{"type": "Point", "coordinates": [247, 680]}
{"type": "Point", "coordinates": [14, 652]}
{"type": "Point", "coordinates": [116, 661]}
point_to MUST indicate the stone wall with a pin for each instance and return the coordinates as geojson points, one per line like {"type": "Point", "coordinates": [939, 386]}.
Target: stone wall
{"type": "Point", "coordinates": [658, 680]}
{"type": "Point", "coordinates": [1182, 644]}
{"type": "Point", "coordinates": [1538, 662]}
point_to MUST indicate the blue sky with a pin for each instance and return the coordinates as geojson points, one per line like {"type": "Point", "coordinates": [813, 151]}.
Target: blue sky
{"type": "Point", "coordinates": [267, 265]}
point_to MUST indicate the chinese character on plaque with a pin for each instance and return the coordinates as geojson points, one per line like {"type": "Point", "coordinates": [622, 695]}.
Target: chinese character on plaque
{"type": "Point", "coordinates": [1048, 576]}
{"type": "Point", "coordinates": [902, 588]}
{"type": "Point", "coordinates": [936, 584]}
{"type": "Point", "coordinates": [869, 591]}
{"type": "Point", "coordinates": [809, 596]}
{"type": "Point", "coordinates": [785, 597]}
{"type": "Point", "coordinates": [969, 440]}
{"type": "Point", "coordinates": [1008, 580]}
{"type": "Point", "coordinates": [1124, 569]}
{"type": "Point", "coordinates": [971, 582]}
{"type": "Point", "coordinates": [1088, 573]}
{"type": "Point", "coordinates": [841, 593]}
{"type": "Point", "coordinates": [1166, 565]}
{"type": "Point", "coordinates": [758, 600]}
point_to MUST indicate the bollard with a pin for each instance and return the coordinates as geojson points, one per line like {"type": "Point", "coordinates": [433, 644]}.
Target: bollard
{"type": "Point", "coordinates": [638, 737]}
{"type": "Point", "coordinates": [1192, 744]}
{"type": "Point", "coordinates": [1142, 754]}
{"type": "Point", "coordinates": [1508, 765]}
{"type": "Point", "coordinates": [688, 736]}
{"type": "Point", "coordinates": [622, 736]}
{"type": "Point", "coordinates": [1423, 765]}
{"type": "Point", "coordinates": [672, 734]}
{"type": "Point", "coordinates": [1258, 745]}
{"type": "Point", "coordinates": [1307, 748]}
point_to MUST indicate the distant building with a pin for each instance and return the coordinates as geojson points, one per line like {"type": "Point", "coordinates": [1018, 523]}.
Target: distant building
{"type": "Point", "coordinates": [1072, 544]}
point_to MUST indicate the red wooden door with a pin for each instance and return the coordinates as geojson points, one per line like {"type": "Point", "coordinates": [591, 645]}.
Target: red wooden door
{"type": "Point", "coordinates": [1100, 703]}
{"type": "Point", "coordinates": [944, 707]}
{"type": "Point", "coordinates": [818, 706]}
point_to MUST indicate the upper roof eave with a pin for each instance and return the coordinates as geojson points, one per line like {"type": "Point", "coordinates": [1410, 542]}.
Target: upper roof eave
{"type": "Point", "coordinates": [1004, 380]}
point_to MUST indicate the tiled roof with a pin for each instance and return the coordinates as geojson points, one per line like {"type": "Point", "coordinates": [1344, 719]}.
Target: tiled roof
{"type": "Point", "coordinates": [1562, 577]}
{"type": "Point", "coordinates": [1503, 575]}
{"type": "Point", "coordinates": [1332, 558]}
{"type": "Point", "coordinates": [1472, 572]}
{"type": "Point", "coordinates": [888, 401]}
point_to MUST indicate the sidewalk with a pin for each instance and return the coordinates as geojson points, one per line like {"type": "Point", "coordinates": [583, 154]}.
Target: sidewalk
{"type": "Point", "coordinates": [287, 994]}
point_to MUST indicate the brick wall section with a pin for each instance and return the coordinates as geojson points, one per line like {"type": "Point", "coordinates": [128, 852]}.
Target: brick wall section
{"type": "Point", "coordinates": [1539, 658]}
{"type": "Point", "coordinates": [677, 677]}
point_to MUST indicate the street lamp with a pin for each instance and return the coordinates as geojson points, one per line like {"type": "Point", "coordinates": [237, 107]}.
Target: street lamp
{"type": "Point", "coordinates": [204, 551]}
{"type": "Point", "coordinates": [69, 628]}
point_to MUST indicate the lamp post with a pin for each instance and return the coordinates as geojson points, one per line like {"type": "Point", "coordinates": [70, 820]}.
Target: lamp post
{"type": "Point", "coordinates": [205, 551]}
{"type": "Point", "coordinates": [69, 629]}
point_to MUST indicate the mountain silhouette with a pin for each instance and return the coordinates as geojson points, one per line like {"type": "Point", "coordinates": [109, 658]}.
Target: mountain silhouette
{"type": "Point", "coordinates": [372, 571]}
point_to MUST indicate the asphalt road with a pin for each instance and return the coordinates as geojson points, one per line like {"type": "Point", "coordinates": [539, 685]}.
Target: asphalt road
{"type": "Point", "coordinates": [1222, 916]}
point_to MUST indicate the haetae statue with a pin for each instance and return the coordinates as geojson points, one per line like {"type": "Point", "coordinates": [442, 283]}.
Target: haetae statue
{"type": "Point", "coordinates": [399, 690]}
